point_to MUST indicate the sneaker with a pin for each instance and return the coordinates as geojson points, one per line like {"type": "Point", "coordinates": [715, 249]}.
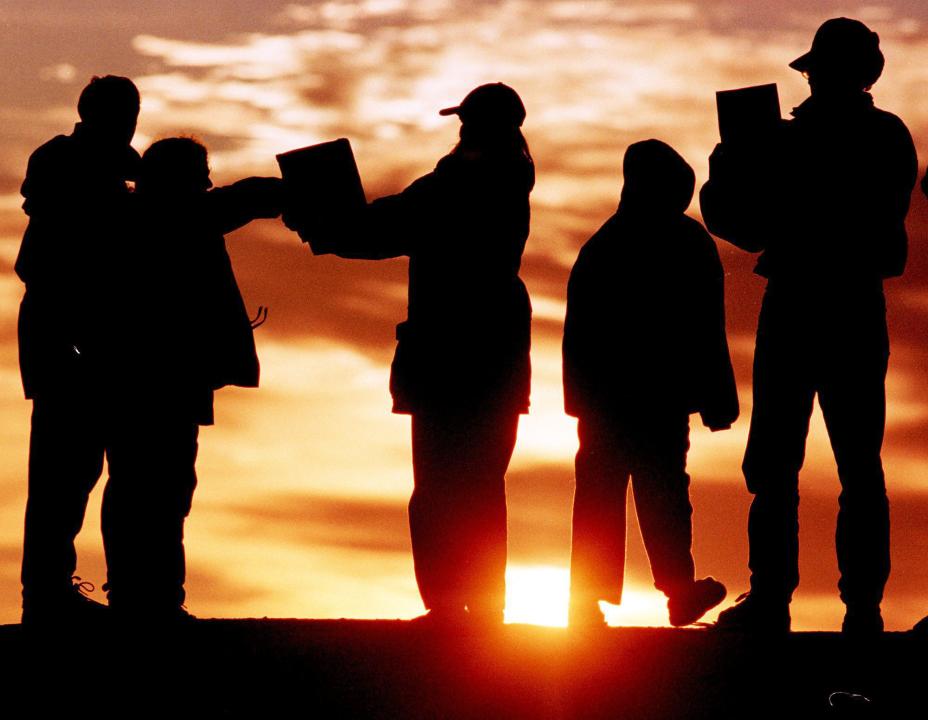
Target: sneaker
{"type": "Point", "coordinates": [75, 607]}
{"type": "Point", "coordinates": [751, 614]}
{"type": "Point", "coordinates": [688, 606]}
{"type": "Point", "coordinates": [862, 622]}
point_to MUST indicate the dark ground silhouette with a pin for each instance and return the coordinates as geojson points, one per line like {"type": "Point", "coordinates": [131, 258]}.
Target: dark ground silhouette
{"type": "Point", "coordinates": [384, 669]}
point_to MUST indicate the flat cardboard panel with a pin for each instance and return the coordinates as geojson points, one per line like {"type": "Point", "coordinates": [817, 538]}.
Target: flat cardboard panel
{"type": "Point", "coordinates": [323, 188]}
{"type": "Point", "coordinates": [748, 113]}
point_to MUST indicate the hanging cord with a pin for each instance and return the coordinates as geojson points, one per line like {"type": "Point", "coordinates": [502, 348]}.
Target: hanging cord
{"type": "Point", "coordinates": [84, 587]}
{"type": "Point", "coordinates": [260, 318]}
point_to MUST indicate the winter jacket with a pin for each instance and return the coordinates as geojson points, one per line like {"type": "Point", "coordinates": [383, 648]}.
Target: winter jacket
{"type": "Point", "coordinates": [645, 325]}
{"type": "Point", "coordinates": [465, 343]}
{"type": "Point", "coordinates": [181, 329]}
{"type": "Point", "coordinates": [824, 200]}
{"type": "Point", "coordinates": [74, 193]}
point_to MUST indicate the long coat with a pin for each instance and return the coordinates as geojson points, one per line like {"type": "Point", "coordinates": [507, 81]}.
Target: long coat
{"type": "Point", "coordinates": [181, 329]}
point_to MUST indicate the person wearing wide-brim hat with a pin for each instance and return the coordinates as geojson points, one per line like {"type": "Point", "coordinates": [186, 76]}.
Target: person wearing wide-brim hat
{"type": "Point", "coordinates": [461, 367]}
{"type": "Point", "coordinates": [831, 202]}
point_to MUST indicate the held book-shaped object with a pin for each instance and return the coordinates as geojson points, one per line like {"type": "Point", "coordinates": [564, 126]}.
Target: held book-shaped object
{"type": "Point", "coordinates": [323, 191]}
{"type": "Point", "coordinates": [748, 114]}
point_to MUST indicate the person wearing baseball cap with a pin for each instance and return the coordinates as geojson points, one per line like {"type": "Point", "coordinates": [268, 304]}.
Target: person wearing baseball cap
{"type": "Point", "coordinates": [491, 105]}
{"type": "Point", "coordinates": [461, 367]}
{"type": "Point", "coordinates": [830, 194]}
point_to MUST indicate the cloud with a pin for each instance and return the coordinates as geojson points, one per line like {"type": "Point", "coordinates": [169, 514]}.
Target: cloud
{"type": "Point", "coordinates": [355, 524]}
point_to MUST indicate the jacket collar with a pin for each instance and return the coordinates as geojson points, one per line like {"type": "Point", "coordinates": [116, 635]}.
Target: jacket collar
{"type": "Point", "coordinates": [817, 106]}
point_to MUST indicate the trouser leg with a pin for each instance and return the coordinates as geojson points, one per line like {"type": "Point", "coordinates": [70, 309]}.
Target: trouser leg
{"type": "Point", "coordinates": [783, 398]}
{"type": "Point", "coordinates": [66, 449]}
{"type": "Point", "coordinates": [485, 532]}
{"type": "Point", "coordinates": [457, 513]}
{"type": "Point", "coordinates": [853, 400]}
{"type": "Point", "coordinates": [597, 555]}
{"type": "Point", "coordinates": [661, 487]}
{"type": "Point", "coordinates": [147, 498]}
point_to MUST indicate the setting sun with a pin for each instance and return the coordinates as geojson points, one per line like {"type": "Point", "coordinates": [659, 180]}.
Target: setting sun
{"type": "Point", "coordinates": [537, 594]}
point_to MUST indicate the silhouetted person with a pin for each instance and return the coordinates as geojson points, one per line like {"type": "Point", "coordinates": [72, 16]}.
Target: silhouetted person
{"type": "Point", "coordinates": [179, 332]}
{"type": "Point", "coordinates": [826, 205]}
{"type": "Point", "coordinates": [74, 187]}
{"type": "Point", "coordinates": [644, 347]}
{"type": "Point", "coordinates": [461, 368]}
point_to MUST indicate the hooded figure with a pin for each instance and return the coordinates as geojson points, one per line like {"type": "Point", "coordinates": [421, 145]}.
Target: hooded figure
{"type": "Point", "coordinates": [461, 368]}
{"type": "Point", "coordinates": [644, 347]}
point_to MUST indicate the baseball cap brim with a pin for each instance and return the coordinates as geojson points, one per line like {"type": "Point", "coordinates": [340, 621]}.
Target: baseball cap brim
{"type": "Point", "coordinates": [451, 111]}
{"type": "Point", "coordinates": [803, 62]}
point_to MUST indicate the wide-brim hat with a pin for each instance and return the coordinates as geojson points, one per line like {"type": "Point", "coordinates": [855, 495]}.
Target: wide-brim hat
{"type": "Point", "coordinates": [842, 41]}
{"type": "Point", "coordinates": [491, 104]}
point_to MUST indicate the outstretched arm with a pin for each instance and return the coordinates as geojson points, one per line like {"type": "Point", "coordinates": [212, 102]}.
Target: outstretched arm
{"type": "Point", "coordinates": [385, 228]}
{"type": "Point", "coordinates": [233, 206]}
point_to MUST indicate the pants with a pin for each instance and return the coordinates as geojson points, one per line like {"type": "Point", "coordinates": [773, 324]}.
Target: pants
{"type": "Point", "coordinates": [651, 452]}
{"type": "Point", "coordinates": [66, 450]}
{"type": "Point", "coordinates": [145, 503]}
{"type": "Point", "coordinates": [146, 499]}
{"type": "Point", "coordinates": [457, 513]}
{"type": "Point", "coordinates": [837, 347]}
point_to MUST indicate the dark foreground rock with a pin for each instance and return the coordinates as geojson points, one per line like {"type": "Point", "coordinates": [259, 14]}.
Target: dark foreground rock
{"type": "Point", "coordinates": [394, 669]}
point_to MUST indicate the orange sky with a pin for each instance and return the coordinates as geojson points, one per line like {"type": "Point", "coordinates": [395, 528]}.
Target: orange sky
{"type": "Point", "coordinates": [300, 509]}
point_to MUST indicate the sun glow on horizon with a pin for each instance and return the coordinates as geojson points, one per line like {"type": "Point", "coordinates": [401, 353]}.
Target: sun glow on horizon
{"type": "Point", "coordinates": [539, 594]}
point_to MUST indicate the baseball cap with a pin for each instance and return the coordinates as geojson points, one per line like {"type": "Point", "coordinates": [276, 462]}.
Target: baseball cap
{"type": "Point", "coordinates": [494, 103]}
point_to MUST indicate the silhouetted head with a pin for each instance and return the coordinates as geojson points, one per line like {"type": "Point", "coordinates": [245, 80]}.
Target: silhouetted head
{"type": "Point", "coordinates": [493, 105]}
{"type": "Point", "coordinates": [657, 179]}
{"type": "Point", "coordinates": [491, 120]}
{"type": "Point", "coordinates": [845, 57]}
{"type": "Point", "coordinates": [109, 108]}
{"type": "Point", "coordinates": [174, 166]}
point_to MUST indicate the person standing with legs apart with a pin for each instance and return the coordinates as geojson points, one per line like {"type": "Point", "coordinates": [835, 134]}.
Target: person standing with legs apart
{"type": "Point", "coordinates": [644, 347]}
{"type": "Point", "coordinates": [75, 190]}
{"type": "Point", "coordinates": [461, 368]}
{"type": "Point", "coordinates": [826, 204]}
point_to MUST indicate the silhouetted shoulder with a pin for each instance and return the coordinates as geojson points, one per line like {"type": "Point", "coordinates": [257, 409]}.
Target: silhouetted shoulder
{"type": "Point", "coordinates": [45, 166]}
{"type": "Point", "coordinates": [51, 150]}
{"type": "Point", "coordinates": [897, 132]}
{"type": "Point", "coordinates": [600, 241]}
{"type": "Point", "coordinates": [698, 240]}
{"type": "Point", "coordinates": [891, 121]}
